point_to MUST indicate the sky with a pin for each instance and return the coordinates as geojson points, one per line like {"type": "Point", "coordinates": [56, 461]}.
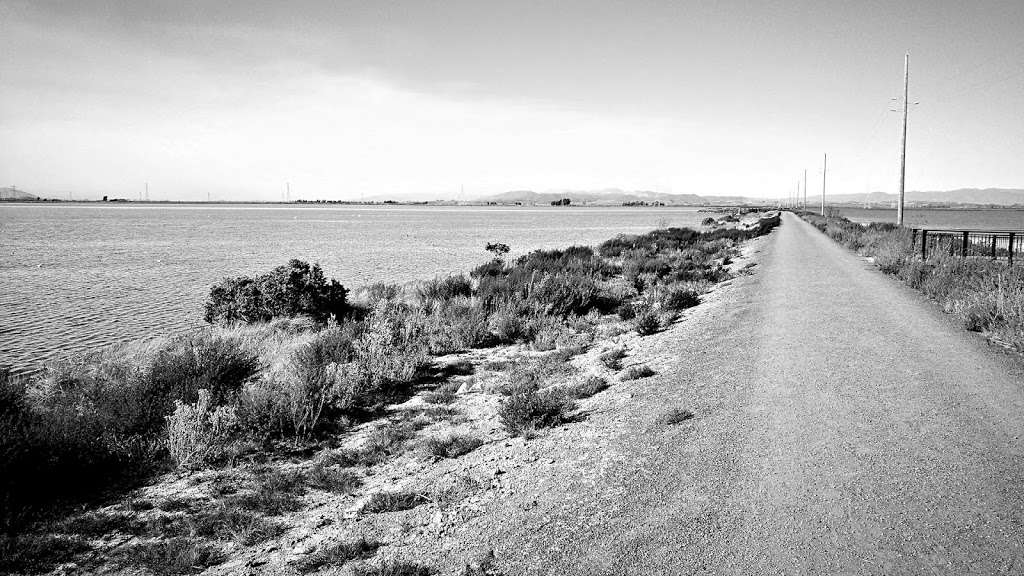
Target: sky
{"type": "Point", "coordinates": [235, 100]}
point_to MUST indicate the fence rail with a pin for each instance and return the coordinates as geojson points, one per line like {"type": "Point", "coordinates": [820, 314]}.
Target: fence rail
{"type": "Point", "coordinates": [994, 244]}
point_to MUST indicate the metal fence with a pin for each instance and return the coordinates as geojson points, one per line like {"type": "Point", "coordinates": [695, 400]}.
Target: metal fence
{"type": "Point", "coordinates": [994, 244]}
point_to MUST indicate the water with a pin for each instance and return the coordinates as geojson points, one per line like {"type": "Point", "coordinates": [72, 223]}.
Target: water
{"type": "Point", "coordinates": [995, 219]}
{"type": "Point", "coordinates": [76, 277]}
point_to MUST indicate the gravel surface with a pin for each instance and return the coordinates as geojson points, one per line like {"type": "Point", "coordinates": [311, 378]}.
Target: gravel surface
{"type": "Point", "coordinates": [843, 425]}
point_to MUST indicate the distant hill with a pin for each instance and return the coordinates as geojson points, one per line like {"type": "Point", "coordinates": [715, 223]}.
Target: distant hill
{"type": "Point", "coordinates": [15, 194]}
{"type": "Point", "coordinates": [611, 197]}
{"type": "Point", "coordinates": [977, 196]}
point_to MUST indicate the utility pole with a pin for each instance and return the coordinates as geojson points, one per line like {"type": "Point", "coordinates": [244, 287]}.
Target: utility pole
{"type": "Point", "coordinates": [824, 173]}
{"type": "Point", "coordinates": [903, 141]}
{"type": "Point", "coordinates": [805, 188]}
{"type": "Point", "coordinates": [147, 191]}
{"type": "Point", "coordinates": [287, 191]}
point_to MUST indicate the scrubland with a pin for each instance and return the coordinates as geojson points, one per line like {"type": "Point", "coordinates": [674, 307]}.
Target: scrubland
{"type": "Point", "coordinates": [174, 454]}
{"type": "Point", "coordinates": [985, 295]}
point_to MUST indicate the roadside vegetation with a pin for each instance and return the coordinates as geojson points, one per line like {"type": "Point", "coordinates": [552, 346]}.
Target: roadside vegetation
{"type": "Point", "coordinates": [987, 296]}
{"type": "Point", "coordinates": [292, 366]}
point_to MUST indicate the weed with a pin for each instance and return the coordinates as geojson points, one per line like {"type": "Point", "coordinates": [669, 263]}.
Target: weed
{"type": "Point", "coordinates": [675, 416]}
{"type": "Point", "coordinates": [180, 555]}
{"type": "Point", "coordinates": [452, 446]}
{"type": "Point", "coordinates": [392, 502]}
{"type": "Point", "coordinates": [276, 492]}
{"type": "Point", "coordinates": [393, 569]}
{"type": "Point", "coordinates": [529, 409]}
{"type": "Point", "coordinates": [638, 371]}
{"type": "Point", "coordinates": [338, 554]}
{"type": "Point", "coordinates": [444, 394]}
{"type": "Point", "coordinates": [612, 359]}
{"type": "Point", "coordinates": [333, 479]}
{"type": "Point", "coordinates": [592, 385]}
{"type": "Point", "coordinates": [646, 322]}
{"type": "Point", "coordinates": [680, 299]}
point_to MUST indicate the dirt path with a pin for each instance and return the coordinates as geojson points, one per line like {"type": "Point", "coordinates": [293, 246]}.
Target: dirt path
{"type": "Point", "coordinates": [843, 426]}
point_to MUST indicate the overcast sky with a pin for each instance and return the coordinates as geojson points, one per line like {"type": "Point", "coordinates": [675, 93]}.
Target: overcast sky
{"type": "Point", "coordinates": [375, 98]}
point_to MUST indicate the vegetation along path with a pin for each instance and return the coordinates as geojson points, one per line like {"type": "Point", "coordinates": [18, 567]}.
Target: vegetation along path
{"type": "Point", "coordinates": [843, 425]}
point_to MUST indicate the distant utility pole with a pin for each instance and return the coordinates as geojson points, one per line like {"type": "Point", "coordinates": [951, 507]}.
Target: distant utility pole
{"type": "Point", "coordinates": [824, 173]}
{"type": "Point", "coordinates": [147, 191]}
{"type": "Point", "coordinates": [287, 191]}
{"type": "Point", "coordinates": [805, 188]}
{"type": "Point", "coordinates": [903, 141]}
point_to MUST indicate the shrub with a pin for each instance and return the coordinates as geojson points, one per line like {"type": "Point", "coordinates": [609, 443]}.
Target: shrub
{"type": "Point", "coordinates": [276, 492]}
{"type": "Point", "coordinates": [592, 385]}
{"type": "Point", "coordinates": [393, 569]}
{"type": "Point", "coordinates": [333, 479]}
{"type": "Point", "coordinates": [197, 433]}
{"type": "Point", "coordinates": [626, 311]}
{"type": "Point", "coordinates": [338, 554]}
{"type": "Point", "coordinates": [444, 394]}
{"type": "Point", "coordinates": [675, 416]}
{"type": "Point", "coordinates": [452, 446]}
{"type": "Point", "coordinates": [392, 502]}
{"type": "Point", "coordinates": [226, 523]}
{"type": "Point", "coordinates": [181, 555]}
{"type": "Point", "coordinates": [527, 409]}
{"type": "Point", "coordinates": [440, 290]}
{"type": "Point", "coordinates": [612, 359]}
{"type": "Point", "coordinates": [680, 299]}
{"type": "Point", "coordinates": [295, 289]}
{"type": "Point", "coordinates": [646, 322]}
{"type": "Point", "coordinates": [637, 371]}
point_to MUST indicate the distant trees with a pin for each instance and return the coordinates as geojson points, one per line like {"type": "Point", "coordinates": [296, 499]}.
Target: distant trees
{"type": "Point", "coordinates": [294, 289]}
{"type": "Point", "coordinates": [562, 202]}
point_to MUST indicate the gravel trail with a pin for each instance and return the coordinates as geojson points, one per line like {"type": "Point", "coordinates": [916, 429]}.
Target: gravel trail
{"type": "Point", "coordinates": [843, 426]}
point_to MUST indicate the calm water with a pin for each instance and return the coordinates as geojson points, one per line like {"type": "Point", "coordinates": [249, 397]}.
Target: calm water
{"type": "Point", "coordinates": [997, 219]}
{"type": "Point", "coordinates": [75, 277]}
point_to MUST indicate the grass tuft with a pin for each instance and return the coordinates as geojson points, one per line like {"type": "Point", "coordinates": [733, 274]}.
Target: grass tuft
{"type": "Point", "coordinates": [452, 446]}
{"type": "Point", "coordinates": [392, 502]}
{"type": "Point", "coordinates": [338, 554]}
{"type": "Point", "coordinates": [638, 371]}
{"type": "Point", "coordinates": [675, 416]}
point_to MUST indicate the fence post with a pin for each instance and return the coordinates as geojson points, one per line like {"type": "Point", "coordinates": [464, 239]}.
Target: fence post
{"type": "Point", "coordinates": [924, 244]}
{"type": "Point", "coordinates": [913, 239]}
{"type": "Point", "coordinates": [993, 246]}
{"type": "Point", "coordinates": [963, 247]}
{"type": "Point", "coordinates": [1010, 251]}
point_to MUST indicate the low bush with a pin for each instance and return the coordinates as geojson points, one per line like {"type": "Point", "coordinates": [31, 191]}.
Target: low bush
{"type": "Point", "coordinates": [646, 322]}
{"type": "Point", "coordinates": [197, 434]}
{"type": "Point", "coordinates": [675, 416]}
{"type": "Point", "coordinates": [181, 555]}
{"type": "Point", "coordinates": [444, 394]}
{"type": "Point", "coordinates": [612, 359]}
{"type": "Point", "coordinates": [452, 446]}
{"type": "Point", "coordinates": [392, 502]}
{"type": "Point", "coordinates": [334, 479]}
{"type": "Point", "coordinates": [526, 410]}
{"type": "Point", "coordinates": [393, 569]}
{"type": "Point", "coordinates": [592, 385]}
{"type": "Point", "coordinates": [626, 311]}
{"type": "Point", "coordinates": [337, 555]}
{"type": "Point", "coordinates": [276, 492]}
{"type": "Point", "coordinates": [638, 371]}
{"type": "Point", "coordinates": [680, 299]}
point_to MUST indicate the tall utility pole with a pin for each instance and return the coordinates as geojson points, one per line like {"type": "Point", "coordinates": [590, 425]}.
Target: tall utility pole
{"type": "Point", "coordinates": [824, 173]}
{"type": "Point", "coordinates": [903, 141]}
